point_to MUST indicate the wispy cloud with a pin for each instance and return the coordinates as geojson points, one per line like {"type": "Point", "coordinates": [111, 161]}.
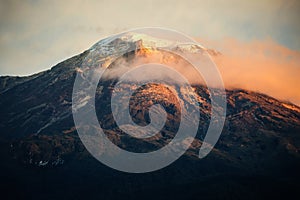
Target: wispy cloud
{"type": "Point", "coordinates": [263, 66]}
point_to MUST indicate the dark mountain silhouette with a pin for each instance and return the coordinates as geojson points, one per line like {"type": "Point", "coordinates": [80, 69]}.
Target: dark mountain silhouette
{"type": "Point", "coordinates": [42, 157]}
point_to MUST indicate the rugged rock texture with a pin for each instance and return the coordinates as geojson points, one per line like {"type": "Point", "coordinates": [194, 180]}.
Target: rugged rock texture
{"type": "Point", "coordinates": [42, 156]}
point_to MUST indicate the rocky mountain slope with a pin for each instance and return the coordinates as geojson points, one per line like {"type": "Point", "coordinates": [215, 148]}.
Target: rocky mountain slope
{"type": "Point", "coordinates": [260, 142]}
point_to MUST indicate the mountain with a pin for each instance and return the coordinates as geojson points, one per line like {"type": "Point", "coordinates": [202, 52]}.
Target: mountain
{"type": "Point", "coordinates": [257, 155]}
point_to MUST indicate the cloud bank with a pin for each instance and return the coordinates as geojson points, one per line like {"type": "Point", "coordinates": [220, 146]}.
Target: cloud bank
{"type": "Point", "coordinates": [262, 66]}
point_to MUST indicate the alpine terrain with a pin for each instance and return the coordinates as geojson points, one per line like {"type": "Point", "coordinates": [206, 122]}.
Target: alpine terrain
{"type": "Point", "coordinates": [42, 156]}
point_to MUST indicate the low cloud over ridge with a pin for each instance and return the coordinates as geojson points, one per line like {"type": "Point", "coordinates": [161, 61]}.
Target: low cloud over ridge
{"type": "Point", "coordinates": [262, 66]}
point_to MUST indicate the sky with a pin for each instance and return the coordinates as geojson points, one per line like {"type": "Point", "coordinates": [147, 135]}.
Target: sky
{"type": "Point", "coordinates": [36, 35]}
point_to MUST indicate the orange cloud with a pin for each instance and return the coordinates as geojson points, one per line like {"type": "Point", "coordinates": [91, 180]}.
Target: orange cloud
{"type": "Point", "coordinates": [262, 66]}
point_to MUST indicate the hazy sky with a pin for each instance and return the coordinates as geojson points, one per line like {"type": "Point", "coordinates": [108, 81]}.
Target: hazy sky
{"type": "Point", "coordinates": [259, 39]}
{"type": "Point", "coordinates": [35, 35]}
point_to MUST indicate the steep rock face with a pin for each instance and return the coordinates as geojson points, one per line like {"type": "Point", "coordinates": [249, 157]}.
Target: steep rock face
{"type": "Point", "coordinates": [261, 134]}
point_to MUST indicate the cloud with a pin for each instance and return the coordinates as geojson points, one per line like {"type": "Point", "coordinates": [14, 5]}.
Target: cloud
{"type": "Point", "coordinates": [263, 66]}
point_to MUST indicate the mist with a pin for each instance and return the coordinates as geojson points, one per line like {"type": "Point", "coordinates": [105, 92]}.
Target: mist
{"type": "Point", "coordinates": [262, 66]}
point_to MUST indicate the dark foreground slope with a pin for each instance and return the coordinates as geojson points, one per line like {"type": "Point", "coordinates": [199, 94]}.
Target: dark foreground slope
{"type": "Point", "coordinates": [42, 157]}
